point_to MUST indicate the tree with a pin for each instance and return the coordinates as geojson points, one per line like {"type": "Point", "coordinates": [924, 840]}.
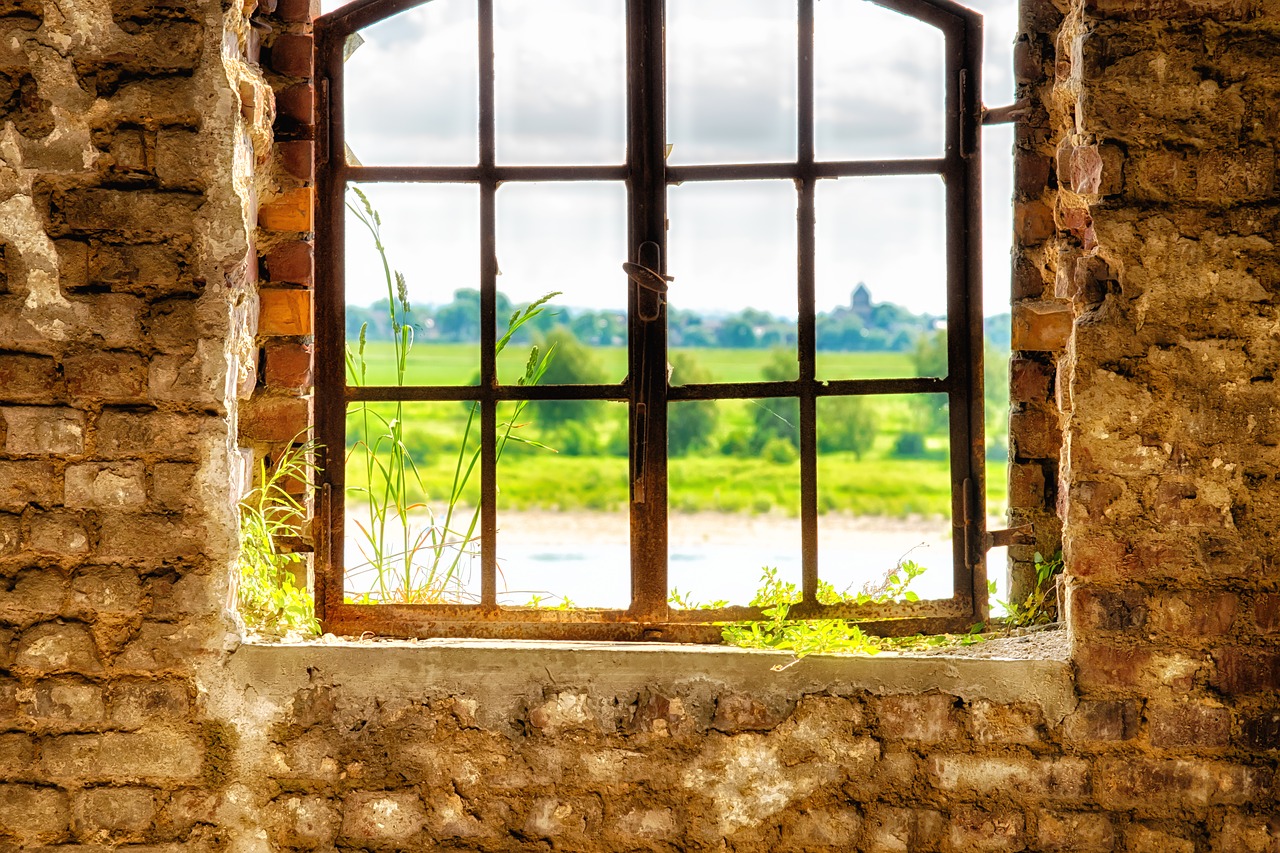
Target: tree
{"type": "Point", "coordinates": [930, 359]}
{"type": "Point", "coordinates": [571, 364]}
{"type": "Point", "coordinates": [691, 423]}
{"type": "Point", "coordinates": [848, 424]}
{"type": "Point", "coordinates": [777, 418]}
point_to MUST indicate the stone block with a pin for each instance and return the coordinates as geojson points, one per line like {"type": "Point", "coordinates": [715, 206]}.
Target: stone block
{"type": "Point", "coordinates": [929, 718]}
{"type": "Point", "coordinates": [101, 814]}
{"type": "Point", "coordinates": [110, 377]}
{"type": "Point", "coordinates": [58, 533]}
{"type": "Point", "coordinates": [180, 159]}
{"type": "Point", "coordinates": [382, 818]}
{"type": "Point", "coordinates": [28, 379]}
{"type": "Point", "coordinates": [1075, 832]}
{"type": "Point", "coordinates": [1140, 838]}
{"type": "Point", "coordinates": [198, 377]}
{"type": "Point", "coordinates": [137, 214]}
{"type": "Point", "coordinates": [57, 647]}
{"type": "Point", "coordinates": [33, 815]}
{"type": "Point", "coordinates": [37, 591]}
{"type": "Point", "coordinates": [106, 485]}
{"type": "Point", "coordinates": [992, 723]}
{"type": "Point", "coordinates": [284, 312]}
{"type": "Point", "coordinates": [155, 755]}
{"type": "Point", "coordinates": [43, 430]}
{"type": "Point", "coordinates": [23, 483]}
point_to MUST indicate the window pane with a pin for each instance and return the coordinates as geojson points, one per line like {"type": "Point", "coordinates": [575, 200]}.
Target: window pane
{"type": "Point", "coordinates": [734, 497]}
{"type": "Point", "coordinates": [406, 540]}
{"type": "Point", "coordinates": [567, 237]}
{"type": "Point", "coordinates": [881, 268]}
{"type": "Point", "coordinates": [411, 95]}
{"type": "Point", "coordinates": [878, 84]}
{"type": "Point", "coordinates": [562, 510]}
{"type": "Point", "coordinates": [733, 255]}
{"type": "Point", "coordinates": [560, 81]}
{"type": "Point", "coordinates": [731, 81]}
{"type": "Point", "coordinates": [884, 492]}
{"type": "Point", "coordinates": [431, 234]}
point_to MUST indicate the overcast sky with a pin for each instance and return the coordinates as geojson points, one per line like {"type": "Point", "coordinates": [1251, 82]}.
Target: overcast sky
{"type": "Point", "coordinates": [411, 99]}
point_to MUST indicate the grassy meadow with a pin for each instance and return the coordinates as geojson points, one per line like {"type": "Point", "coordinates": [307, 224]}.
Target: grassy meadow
{"type": "Point", "coordinates": [582, 463]}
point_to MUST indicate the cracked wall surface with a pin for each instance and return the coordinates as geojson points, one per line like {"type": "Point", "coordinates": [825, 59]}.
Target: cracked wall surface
{"type": "Point", "coordinates": [156, 211]}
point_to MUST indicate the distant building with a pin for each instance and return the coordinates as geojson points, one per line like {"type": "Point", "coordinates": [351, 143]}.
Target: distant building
{"type": "Point", "coordinates": [860, 301]}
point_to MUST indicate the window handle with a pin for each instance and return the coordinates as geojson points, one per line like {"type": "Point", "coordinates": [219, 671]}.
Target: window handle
{"type": "Point", "coordinates": [652, 281]}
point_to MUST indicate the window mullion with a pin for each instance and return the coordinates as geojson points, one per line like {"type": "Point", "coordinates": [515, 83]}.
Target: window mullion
{"type": "Point", "coordinates": [646, 87]}
{"type": "Point", "coordinates": [488, 318]}
{"type": "Point", "coordinates": [806, 333]}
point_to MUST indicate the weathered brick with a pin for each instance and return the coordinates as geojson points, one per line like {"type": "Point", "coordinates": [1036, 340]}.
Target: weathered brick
{"type": "Point", "coordinates": [297, 103]}
{"type": "Point", "coordinates": [28, 379]}
{"type": "Point", "coordinates": [929, 718]}
{"type": "Point", "coordinates": [58, 647]}
{"type": "Point", "coordinates": [151, 536]}
{"type": "Point", "coordinates": [1026, 485]}
{"type": "Point", "coordinates": [114, 813]}
{"type": "Point", "coordinates": [159, 755]}
{"type": "Point", "coordinates": [1266, 613]}
{"type": "Point", "coordinates": [112, 377]}
{"type": "Point", "coordinates": [135, 704]}
{"type": "Point", "coordinates": [1075, 832]}
{"type": "Point", "coordinates": [1035, 434]}
{"type": "Point", "coordinates": [304, 821]}
{"type": "Point", "coordinates": [291, 55]}
{"type": "Point", "coordinates": [1032, 223]}
{"type": "Point", "coordinates": [10, 534]}
{"type": "Point", "coordinates": [1096, 609]}
{"type": "Point", "coordinates": [61, 534]}
{"type": "Point", "coordinates": [1140, 838]}
{"type": "Point", "coordinates": [17, 757]}
{"type": "Point", "coordinates": [173, 484]}
{"type": "Point", "coordinates": [138, 213]}
{"type": "Point", "coordinates": [1195, 614]}
{"type": "Point", "coordinates": [133, 434]}
{"type": "Point", "coordinates": [298, 158]}
{"type": "Point", "coordinates": [106, 485]}
{"type": "Point", "coordinates": [740, 712]}
{"type": "Point", "coordinates": [106, 590]}
{"type": "Point", "coordinates": [978, 829]}
{"type": "Point", "coordinates": [1242, 833]}
{"type": "Point", "coordinates": [1188, 724]}
{"type": "Point", "coordinates": [67, 700]}
{"type": "Point", "coordinates": [298, 11]}
{"type": "Point", "coordinates": [23, 483]}
{"type": "Point", "coordinates": [146, 268]}
{"type": "Point", "coordinates": [1134, 781]}
{"type": "Point", "coordinates": [1244, 671]}
{"type": "Point", "coordinates": [180, 159]}
{"type": "Point", "coordinates": [32, 430]}
{"type": "Point", "coordinates": [36, 592]}
{"type": "Point", "coordinates": [198, 377]}
{"type": "Point", "coordinates": [34, 814]}
{"type": "Point", "coordinates": [1065, 778]}
{"type": "Point", "coordinates": [1105, 720]}
{"type": "Point", "coordinates": [284, 312]}
{"type": "Point", "coordinates": [990, 722]}
{"type": "Point", "coordinates": [1029, 380]}
{"type": "Point", "coordinates": [383, 818]}
{"type": "Point", "coordinates": [1041, 326]}
{"type": "Point", "coordinates": [1260, 728]}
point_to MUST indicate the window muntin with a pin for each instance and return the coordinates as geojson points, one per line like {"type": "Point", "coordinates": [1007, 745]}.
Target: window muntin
{"type": "Point", "coordinates": [650, 177]}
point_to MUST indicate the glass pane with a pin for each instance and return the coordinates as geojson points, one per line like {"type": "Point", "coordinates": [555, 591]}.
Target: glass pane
{"type": "Point", "coordinates": [411, 90]}
{"type": "Point", "coordinates": [430, 234]}
{"type": "Point", "coordinates": [884, 493]}
{"type": "Point", "coordinates": [731, 81]}
{"type": "Point", "coordinates": [734, 494]}
{"type": "Point", "coordinates": [878, 84]}
{"type": "Point", "coordinates": [564, 536]}
{"type": "Point", "coordinates": [571, 238]}
{"type": "Point", "coordinates": [409, 536]}
{"type": "Point", "coordinates": [881, 268]}
{"type": "Point", "coordinates": [560, 81]}
{"type": "Point", "coordinates": [733, 255]}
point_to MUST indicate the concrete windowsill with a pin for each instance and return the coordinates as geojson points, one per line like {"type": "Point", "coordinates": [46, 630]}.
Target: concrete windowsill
{"type": "Point", "coordinates": [495, 671]}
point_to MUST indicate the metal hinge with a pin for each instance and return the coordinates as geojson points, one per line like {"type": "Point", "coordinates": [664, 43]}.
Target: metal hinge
{"type": "Point", "coordinates": [1021, 535]}
{"type": "Point", "coordinates": [1006, 114]}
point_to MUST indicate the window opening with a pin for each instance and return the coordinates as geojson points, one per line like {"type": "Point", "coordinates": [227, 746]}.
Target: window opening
{"type": "Point", "coordinates": [803, 176]}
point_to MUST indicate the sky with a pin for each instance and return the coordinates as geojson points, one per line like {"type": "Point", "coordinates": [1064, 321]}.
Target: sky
{"type": "Point", "coordinates": [559, 71]}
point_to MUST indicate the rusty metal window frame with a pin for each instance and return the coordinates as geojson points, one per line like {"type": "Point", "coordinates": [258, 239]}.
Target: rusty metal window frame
{"type": "Point", "coordinates": [646, 391]}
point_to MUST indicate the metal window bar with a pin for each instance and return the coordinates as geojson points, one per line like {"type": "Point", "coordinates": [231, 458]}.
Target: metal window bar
{"type": "Point", "coordinates": [646, 391]}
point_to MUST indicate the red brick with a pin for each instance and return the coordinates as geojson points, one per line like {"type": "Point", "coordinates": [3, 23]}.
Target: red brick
{"type": "Point", "coordinates": [1031, 175]}
{"type": "Point", "coordinates": [1188, 725]}
{"type": "Point", "coordinates": [290, 262]}
{"type": "Point", "coordinates": [1260, 728]}
{"type": "Point", "coordinates": [289, 366]}
{"type": "Point", "coordinates": [1243, 671]}
{"type": "Point", "coordinates": [1029, 380]}
{"type": "Point", "coordinates": [1035, 434]}
{"type": "Point", "coordinates": [1103, 720]}
{"type": "Point", "coordinates": [28, 379]}
{"type": "Point", "coordinates": [298, 11]}
{"type": "Point", "coordinates": [1266, 612]}
{"type": "Point", "coordinates": [297, 102]}
{"type": "Point", "coordinates": [1032, 222]}
{"type": "Point", "coordinates": [1195, 614]}
{"type": "Point", "coordinates": [274, 418]}
{"type": "Point", "coordinates": [113, 377]}
{"type": "Point", "coordinates": [292, 210]}
{"type": "Point", "coordinates": [284, 312]}
{"type": "Point", "coordinates": [1095, 609]}
{"type": "Point", "coordinates": [298, 158]}
{"type": "Point", "coordinates": [1094, 557]}
{"type": "Point", "coordinates": [1104, 667]}
{"type": "Point", "coordinates": [291, 55]}
{"type": "Point", "coordinates": [1028, 277]}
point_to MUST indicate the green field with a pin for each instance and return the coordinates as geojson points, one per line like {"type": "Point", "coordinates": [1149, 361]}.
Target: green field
{"type": "Point", "coordinates": [586, 465]}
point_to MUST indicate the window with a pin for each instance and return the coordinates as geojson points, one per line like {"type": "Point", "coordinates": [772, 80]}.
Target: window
{"type": "Point", "coordinates": [651, 172]}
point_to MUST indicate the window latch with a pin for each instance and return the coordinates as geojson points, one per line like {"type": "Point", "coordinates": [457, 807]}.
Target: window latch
{"type": "Point", "coordinates": [652, 286]}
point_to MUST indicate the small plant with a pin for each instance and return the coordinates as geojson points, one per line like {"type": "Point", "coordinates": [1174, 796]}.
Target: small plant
{"type": "Point", "coordinates": [1040, 607]}
{"type": "Point", "coordinates": [269, 600]}
{"type": "Point", "coordinates": [817, 636]}
{"type": "Point", "coordinates": [424, 563]}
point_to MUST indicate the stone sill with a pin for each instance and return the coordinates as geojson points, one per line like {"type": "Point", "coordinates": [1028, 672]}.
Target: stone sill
{"type": "Point", "coordinates": [499, 674]}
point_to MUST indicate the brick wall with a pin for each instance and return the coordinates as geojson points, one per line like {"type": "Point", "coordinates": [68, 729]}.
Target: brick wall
{"type": "Point", "coordinates": [154, 315]}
